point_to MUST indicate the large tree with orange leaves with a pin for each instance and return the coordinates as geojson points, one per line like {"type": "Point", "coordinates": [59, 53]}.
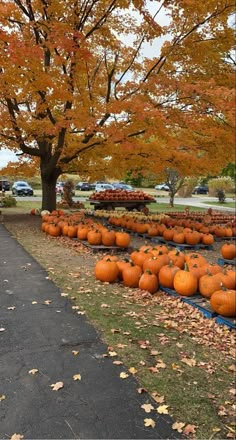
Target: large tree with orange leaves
{"type": "Point", "coordinates": [76, 95]}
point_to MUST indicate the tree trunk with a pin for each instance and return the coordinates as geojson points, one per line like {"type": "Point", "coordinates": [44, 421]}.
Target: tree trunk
{"type": "Point", "coordinates": [49, 196]}
{"type": "Point", "coordinates": [172, 200]}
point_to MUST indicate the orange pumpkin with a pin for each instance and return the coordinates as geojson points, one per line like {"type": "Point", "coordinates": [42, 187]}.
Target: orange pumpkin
{"type": "Point", "coordinates": [185, 283]}
{"type": "Point", "coordinates": [94, 237]}
{"type": "Point", "coordinates": [166, 275]}
{"type": "Point", "coordinates": [228, 251]}
{"type": "Point", "coordinates": [149, 281]}
{"type": "Point", "coordinates": [108, 238]}
{"type": "Point", "coordinates": [106, 271]}
{"type": "Point", "coordinates": [131, 275]}
{"type": "Point", "coordinates": [208, 284]}
{"type": "Point", "coordinates": [223, 302]}
{"type": "Point", "coordinates": [122, 239]}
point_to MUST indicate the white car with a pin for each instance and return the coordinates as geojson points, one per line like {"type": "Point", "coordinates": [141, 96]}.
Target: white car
{"type": "Point", "coordinates": [103, 186]}
{"type": "Point", "coordinates": [162, 187]}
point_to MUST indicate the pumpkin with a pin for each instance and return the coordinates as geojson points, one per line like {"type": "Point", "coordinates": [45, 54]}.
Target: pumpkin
{"type": "Point", "coordinates": [166, 275]}
{"type": "Point", "coordinates": [32, 211]}
{"type": "Point", "coordinates": [138, 257]}
{"type": "Point", "coordinates": [44, 212]}
{"type": "Point", "coordinates": [122, 264]}
{"type": "Point", "coordinates": [192, 237]}
{"type": "Point", "coordinates": [223, 302]}
{"type": "Point", "coordinates": [208, 284]}
{"type": "Point", "coordinates": [226, 280]}
{"type": "Point", "coordinates": [72, 231]}
{"type": "Point", "coordinates": [154, 264]}
{"type": "Point", "coordinates": [94, 237]}
{"type": "Point", "coordinates": [207, 239]}
{"type": "Point", "coordinates": [148, 281]}
{"type": "Point", "coordinates": [122, 239]}
{"type": "Point", "coordinates": [131, 275]}
{"type": "Point", "coordinates": [177, 257]}
{"type": "Point", "coordinates": [82, 233]}
{"type": "Point", "coordinates": [228, 251]}
{"type": "Point", "coordinates": [185, 283]}
{"type": "Point", "coordinates": [106, 271]}
{"type": "Point", "coordinates": [54, 230]}
{"type": "Point", "coordinates": [108, 238]}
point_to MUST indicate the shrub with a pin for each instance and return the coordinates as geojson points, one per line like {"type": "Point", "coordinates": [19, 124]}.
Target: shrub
{"type": "Point", "coordinates": [8, 201]}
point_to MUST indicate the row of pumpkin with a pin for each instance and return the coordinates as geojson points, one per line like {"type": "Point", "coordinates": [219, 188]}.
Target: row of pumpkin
{"type": "Point", "coordinates": [77, 226]}
{"type": "Point", "coordinates": [150, 268]}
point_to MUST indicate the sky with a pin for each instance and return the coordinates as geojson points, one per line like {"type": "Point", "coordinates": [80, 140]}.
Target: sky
{"type": "Point", "coordinates": [6, 156]}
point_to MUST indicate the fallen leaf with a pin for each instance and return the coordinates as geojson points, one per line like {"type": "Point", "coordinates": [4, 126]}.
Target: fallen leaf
{"type": "Point", "coordinates": [34, 302]}
{"type": "Point", "coordinates": [75, 307]}
{"type": "Point", "coordinates": [157, 398]}
{"type": "Point", "coordinates": [115, 330]}
{"type": "Point", "coordinates": [16, 437]}
{"type": "Point", "coordinates": [112, 353]}
{"type": "Point", "coordinates": [141, 390]}
{"type": "Point", "coordinates": [154, 352]}
{"type": "Point", "coordinates": [117, 362]}
{"type": "Point", "coordinates": [105, 306]}
{"type": "Point", "coordinates": [33, 371]}
{"type": "Point", "coordinates": [121, 345]}
{"type": "Point", "coordinates": [189, 361]}
{"type": "Point", "coordinates": [232, 391]}
{"type": "Point", "coordinates": [178, 426]}
{"type": "Point", "coordinates": [11, 308]}
{"type": "Point", "coordinates": [160, 364]}
{"type": "Point", "coordinates": [190, 429]}
{"type": "Point", "coordinates": [124, 375]}
{"type": "Point", "coordinates": [2, 329]}
{"type": "Point", "coordinates": [47, 301]}
{"type": "Point", "coordinates": [57, 386]}
{"type": "Point", "coordinates": [162, 409]}
{"type": "Point", "coordinates": [2, 397]}
{"type": "Point", "coordinates": [232, 368]}
{"type": "Point", "coordinates": [77, 377]}
{"type": "Point", "coordinates": [149, 423]}
{"type": "Point", "coordinates": [75, 353]}
{"type": "Point", "coordinates": [133, 370]}
{"type": "Point", "coordinates": [147, 407]}
{"type": "Point", "coordinates": [64, 294]}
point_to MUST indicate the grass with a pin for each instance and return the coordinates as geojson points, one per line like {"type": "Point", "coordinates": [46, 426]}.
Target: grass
{"type": "Point", "coordinates": [194, 394]}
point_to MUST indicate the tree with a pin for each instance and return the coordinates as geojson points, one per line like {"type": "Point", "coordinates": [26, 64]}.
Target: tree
{"type": "Point", "coordinates": [77, 92]}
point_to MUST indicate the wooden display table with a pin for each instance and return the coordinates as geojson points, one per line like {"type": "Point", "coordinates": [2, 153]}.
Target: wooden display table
{"type": "Point", "coordinates": [130, 205]}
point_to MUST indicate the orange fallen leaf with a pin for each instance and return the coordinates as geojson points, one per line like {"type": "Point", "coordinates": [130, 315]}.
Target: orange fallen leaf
{"type": "Point", "coordinates": [190, 429]}
{"type": "Point", "coordinates": [75, 353]}
{"type": "Point", "coordinates": [117, 362]}
{"type": "Point", "coordinates": [158, 398]}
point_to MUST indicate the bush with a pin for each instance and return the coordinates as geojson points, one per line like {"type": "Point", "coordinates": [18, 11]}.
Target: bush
{"type": "Point", "coordinates": [8, 201]}
{"type": "Point", "coordinates": [221, 195]}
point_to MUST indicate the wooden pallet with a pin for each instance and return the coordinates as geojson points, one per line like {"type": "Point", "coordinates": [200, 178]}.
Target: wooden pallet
{"type": "Point", "coordinates": [102, 248]}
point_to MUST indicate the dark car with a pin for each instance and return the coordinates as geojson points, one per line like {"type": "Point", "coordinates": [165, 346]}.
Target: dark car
{"type": "Point", "coordinates": [4, 185]}
{"type": "Point", "coordinates": [85, 186]}
{"type": "Point", "coordinates": [22, 188]}
{"type": "Point", "coordinates": [201, 189]}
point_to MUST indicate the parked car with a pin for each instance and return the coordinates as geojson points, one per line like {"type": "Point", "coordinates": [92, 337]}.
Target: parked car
{"type": "Point", "coordinates": [122, 186]}
{"type": "Point", "coordinates": [103, 186]}
{"type": "Point", "coordinates": [85, 186]}
{"type": "Point", "coordinates": [21, 188]}
{"type": "Point", "coordinates": [4, 185]}
{"type": "Point", "coordinates": [201, 189]}
{"type": "Point", "coordinates": [162, 187]}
